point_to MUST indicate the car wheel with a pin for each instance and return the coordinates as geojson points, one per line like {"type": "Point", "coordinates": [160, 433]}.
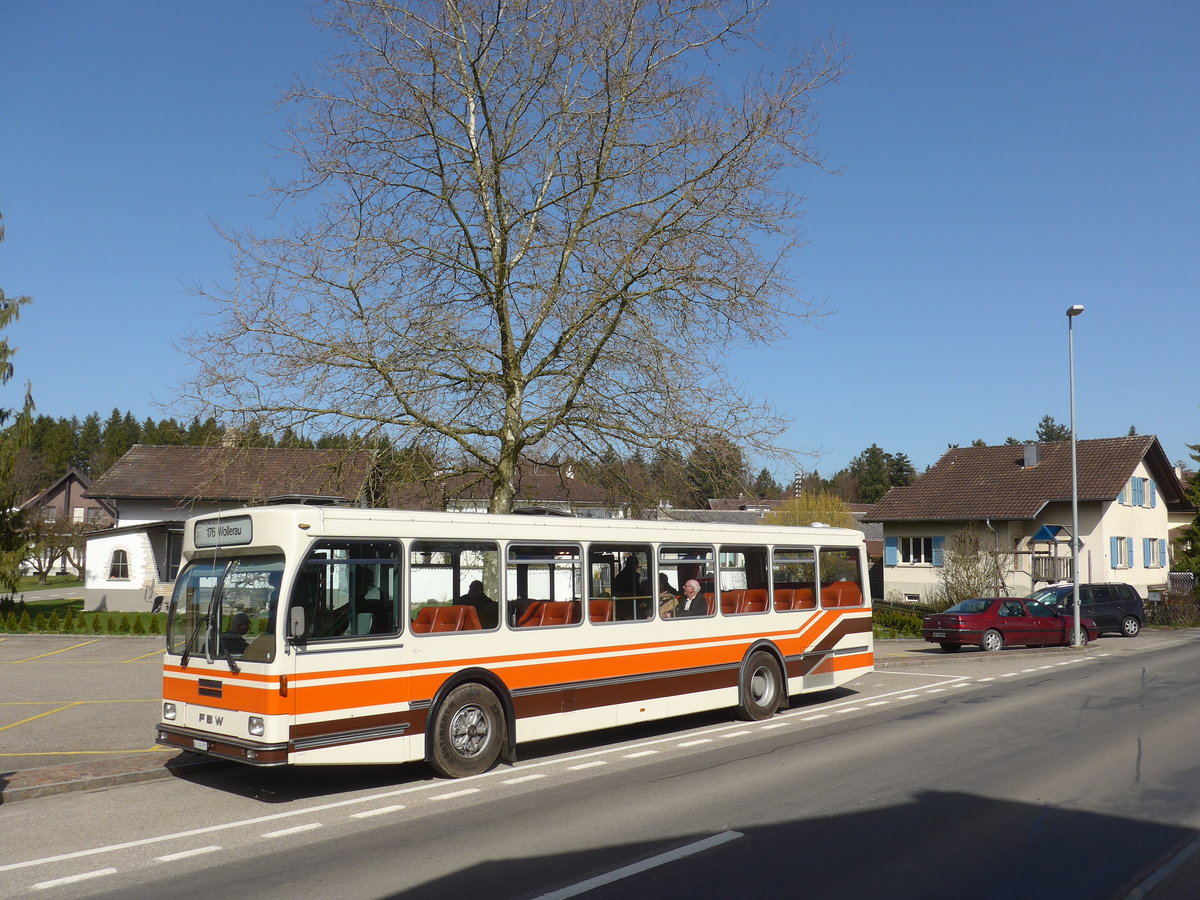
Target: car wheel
{"type": "Point", "coordinates": [951, 648]}
{"type": "Point", "coordinates": [992, 640]}
{"type": "Point", "coordinates": [761, 687]}
{"type": "Point", "coordinates": [468, 732]}
{"type": "Point", "coordinates": [1083, 636]}
{"type": "Point", "coordinates": [1130, 626]}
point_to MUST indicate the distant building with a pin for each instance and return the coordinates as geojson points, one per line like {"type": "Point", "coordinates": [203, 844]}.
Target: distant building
{"type": "Point", "coordinates": [1018, 499]}
{"type": "Point", "coordinates": [67, 504]}
{"type": "Point", "coordinates": [153, 489]}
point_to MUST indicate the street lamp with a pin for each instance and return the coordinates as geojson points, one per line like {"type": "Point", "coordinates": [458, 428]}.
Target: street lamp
{"type": "Point", "coordinates": [1072, 312]}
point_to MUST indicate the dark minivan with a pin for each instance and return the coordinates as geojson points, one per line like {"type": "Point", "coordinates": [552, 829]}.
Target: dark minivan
{"type": "Point", "coordinates": [1115, 607]}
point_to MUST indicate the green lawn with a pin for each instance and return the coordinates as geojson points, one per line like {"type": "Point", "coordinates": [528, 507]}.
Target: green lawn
{"type": "Point", "coordinates": [29, 583]}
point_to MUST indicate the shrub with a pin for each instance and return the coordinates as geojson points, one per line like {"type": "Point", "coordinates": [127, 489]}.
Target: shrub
{"type": "Point", "coordinates": [54, 623]}
{"type": "Point", "coordinates": [126, 625]}
{"type": "Point", "coordinates": [97, 625]}
{"type": "Point", "coordinates": [10, 621]}
{"type": "Point", "coordinates": [155, 627]}
{"type": "Point", "coordinates": [111, 625]}
{"type": "Point", "coordinates": [40, 622]}
{"type": "Point", "coordinates": [138, 627]}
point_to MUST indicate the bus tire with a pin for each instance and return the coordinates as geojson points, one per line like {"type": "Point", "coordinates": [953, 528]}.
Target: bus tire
{"type": "Point", "coordinates": [468, 732]}
{"type": "Point", "coordinates": [760, 688]}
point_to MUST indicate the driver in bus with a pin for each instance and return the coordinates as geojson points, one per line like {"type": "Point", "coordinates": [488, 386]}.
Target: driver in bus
{"type": "Point", "coordinates": [234, 639]}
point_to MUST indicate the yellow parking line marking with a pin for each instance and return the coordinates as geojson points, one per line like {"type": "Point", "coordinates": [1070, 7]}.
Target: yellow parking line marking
{"type": "Point", "coordinates": [146, 656]}
{"type": "Point", "coordinates": [63, 650]}
{"type": "Point", "coordinates": [38, 716]}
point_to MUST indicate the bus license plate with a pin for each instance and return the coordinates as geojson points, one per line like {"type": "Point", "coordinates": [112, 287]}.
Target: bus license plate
{"type": "Point", "coordinates": [200, 745]}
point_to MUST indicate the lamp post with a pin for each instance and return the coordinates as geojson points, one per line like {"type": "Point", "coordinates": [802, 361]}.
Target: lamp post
{"type": "Point", "coordinates": [1072, 312]}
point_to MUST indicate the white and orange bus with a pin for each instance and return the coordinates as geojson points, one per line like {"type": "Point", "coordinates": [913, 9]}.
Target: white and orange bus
{"type": "Point", "coordinates": [316, 634]}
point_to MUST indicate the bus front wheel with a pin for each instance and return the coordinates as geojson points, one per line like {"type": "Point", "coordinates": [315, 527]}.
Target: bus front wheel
{"type": "Point", "coordinates": [468, 732]}
{"type": "Point", "coordinates": [761, 687]}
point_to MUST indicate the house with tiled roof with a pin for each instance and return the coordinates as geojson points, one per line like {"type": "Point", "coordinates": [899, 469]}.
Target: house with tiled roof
{"type": "Point", "coordinates": [64, 508]}
{"type": "Point", "coordinates": [153, 489]}
{"type": "Point", "coordinates": [1018, 499]}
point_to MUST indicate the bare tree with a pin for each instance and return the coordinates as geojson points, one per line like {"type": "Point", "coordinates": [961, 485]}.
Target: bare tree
{"type": "Point", "coordinates": [973, 566]}
{"type": "Point", "coordinates": [532, 227]}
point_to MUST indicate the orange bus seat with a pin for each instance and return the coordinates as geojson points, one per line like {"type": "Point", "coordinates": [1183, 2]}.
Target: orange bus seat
{"type": "Point", "coordinates": [555, 612]}
{"type": "Point", "coordinates": [600, 610]}
{"type": "Point", "coordinates": [712, 603]}
{"type": "Point", "coordinates": [783, 598]}
{"type": "Point", "coordinates": [448, 618]}
{"type": "Point", "coordinates": [470, 619]}
{"type": "Point", "coordinates": [804, 598]}
{"type": "Point", "coordinates": [841, 593]}
{"type": "Point", "coordinates": [754, 601]}
{"type": "Point", "coordinates": [531, 616]}
{"type": "Point", "coordinates": [731, 601]}
{"type": "Point", "coordinates": [423, 623]}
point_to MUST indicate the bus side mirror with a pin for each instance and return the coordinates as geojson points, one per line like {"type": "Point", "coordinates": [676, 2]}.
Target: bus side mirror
{"type": "Point", "coordinates": [296, 622]}
{"type": "Point", "coordinates": [171, 624]}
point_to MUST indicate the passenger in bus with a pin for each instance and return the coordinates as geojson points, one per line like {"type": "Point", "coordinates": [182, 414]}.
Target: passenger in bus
{"type": "Point", "coordinates": [626, 585]}
{"type": "Point", "coordinates": [234, 640]}
{"type": "Point", "coordinates": [693, 603]}
{"type": "Point", "coordinates": [485, 606]}
{"type": "Point", "coordinates": [668, 596]}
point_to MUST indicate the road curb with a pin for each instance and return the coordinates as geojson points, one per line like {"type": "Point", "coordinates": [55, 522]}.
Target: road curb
{"type": "Point", "coordinates": [45, 781]}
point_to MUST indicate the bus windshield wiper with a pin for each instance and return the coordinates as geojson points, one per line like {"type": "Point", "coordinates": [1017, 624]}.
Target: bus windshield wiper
{"type": "Point", "coordinates": [187, 647]}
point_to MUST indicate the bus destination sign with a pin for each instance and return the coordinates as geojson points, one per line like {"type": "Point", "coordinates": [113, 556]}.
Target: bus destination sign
{"type": "Point", "coordinates": [224, 532]}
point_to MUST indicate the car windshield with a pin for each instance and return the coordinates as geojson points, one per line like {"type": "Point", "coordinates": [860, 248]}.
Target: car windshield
{"type": "Point", "coordinates": [970, 606]}
{"type": "Point", "coordinates": [1052, 597]}
{"type": "Point", "coordinates": [225, 608]}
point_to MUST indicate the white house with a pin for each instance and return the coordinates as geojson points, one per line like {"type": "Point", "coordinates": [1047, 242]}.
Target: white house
{"type": "Point", "coordinates": [1018, 499]}
{"type": "Point", "coordinates": [154, 488]}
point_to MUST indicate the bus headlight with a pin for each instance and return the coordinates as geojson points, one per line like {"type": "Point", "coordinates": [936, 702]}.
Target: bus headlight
{"type": "Point", "coordinates": [258, 727]}
{"type": "Point", "coordinates": [169, 712]}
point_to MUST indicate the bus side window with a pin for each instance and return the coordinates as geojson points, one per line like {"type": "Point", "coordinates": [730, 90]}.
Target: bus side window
{"type": "Point", "coordinates": [841, 579]}
{"type": "Point", "coordinates": [547, 580]}
{"type": "Point", "coordinates": [794, 578]}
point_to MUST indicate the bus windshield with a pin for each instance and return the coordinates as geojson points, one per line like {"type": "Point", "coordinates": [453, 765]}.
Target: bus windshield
{"type": "Point", "coordinates": [225, 608]}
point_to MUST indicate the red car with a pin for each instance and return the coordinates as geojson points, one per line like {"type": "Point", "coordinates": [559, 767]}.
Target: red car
{"type": "Point", "coordinates": [992, 622]}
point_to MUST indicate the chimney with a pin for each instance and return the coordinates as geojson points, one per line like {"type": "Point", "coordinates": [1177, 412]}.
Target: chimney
{"type": "Point", "coordinates": [1033, 455]}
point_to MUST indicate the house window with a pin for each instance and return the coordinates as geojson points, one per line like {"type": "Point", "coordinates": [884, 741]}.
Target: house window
{"type": "Point", "coordinates": [1154, 553]}
{"type": "Point", "coordinates": [119, 567]}
{"type": "Point", "coordinates": [1121, 552]}
{"type": "Point", "coordinates": [50, 514]}
{"type": "Point", "coordinates": [913, 551]}
{"type": "Point", "coordinates": [916, 550]}
{"type": "Point", "coordinates": [1139, 492]}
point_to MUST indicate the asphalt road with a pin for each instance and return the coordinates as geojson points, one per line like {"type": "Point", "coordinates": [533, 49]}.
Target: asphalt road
{"type": "Point", "coordinates": [1010, 775]}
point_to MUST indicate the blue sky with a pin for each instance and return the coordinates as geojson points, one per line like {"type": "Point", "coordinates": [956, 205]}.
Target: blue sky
{"type": "Point", "coordinates": [996, 163]}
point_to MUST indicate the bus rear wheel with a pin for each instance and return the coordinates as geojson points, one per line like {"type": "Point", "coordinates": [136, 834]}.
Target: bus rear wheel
{"type": "Point", "coordinates": [761, 687]}
{"type": "Point", "coordinates": [468, 732]}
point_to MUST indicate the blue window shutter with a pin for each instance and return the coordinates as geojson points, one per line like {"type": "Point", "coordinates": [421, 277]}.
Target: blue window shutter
{"type": "Point", "coordinates": [1114, 553]}
{"type": "Point", "coordinates": [1146, 560]}
{"type": "Point", "coordinates": [1162, 551]}
{"type": "Point", "coordinates": [891, 551]}
{"type": "Point", "coordinates": [938, 542]}
{"type": "Point", "coordinates": [1129, 551]}
{"type": "Point", "coordinates": [1139, 492]}
{"type": "Point", "coordinates": [1121, 496]}
{"type": "Point", "coordinates": [1153, 494]}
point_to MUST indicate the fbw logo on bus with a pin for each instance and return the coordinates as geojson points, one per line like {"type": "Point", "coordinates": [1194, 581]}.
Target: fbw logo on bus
{"type": "Point", "coordinates": [210, 719]}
